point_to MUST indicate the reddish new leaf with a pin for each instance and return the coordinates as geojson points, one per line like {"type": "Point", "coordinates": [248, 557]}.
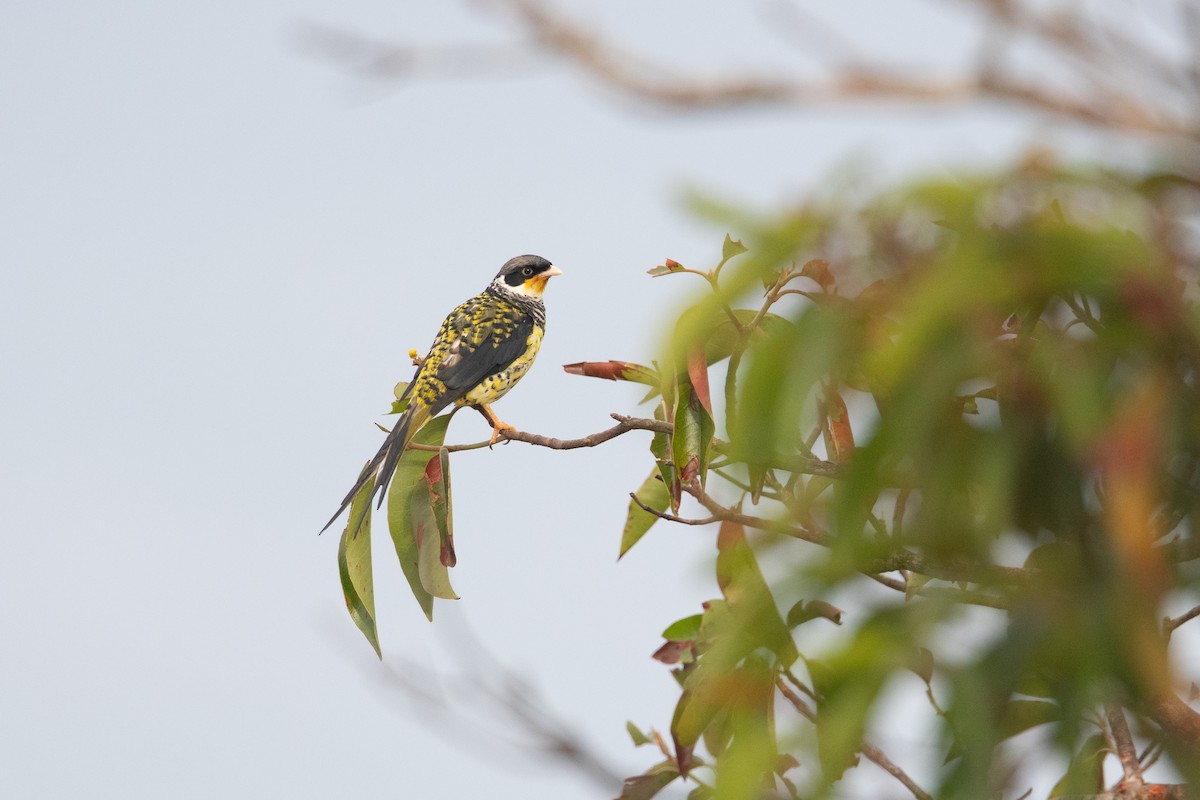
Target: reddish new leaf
{"type": "Point", "coordinates": [697, 367]}
{"type": "Point", "coordinates": [665, 268]}
{"type": "Point", "coordinates": [614, 371]}
{"type": "Point", "coordinates": [839, 438]}
{"type": "Point", "coordinates": [672, 652]}
{"type": "Point", "coordinates": [818, 271]}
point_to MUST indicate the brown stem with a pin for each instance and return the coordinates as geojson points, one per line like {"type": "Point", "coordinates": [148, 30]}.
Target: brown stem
{"type": "Point", "coordinates": [1126, 750]}
{"type": "Point", "coordinates": [873, 753]}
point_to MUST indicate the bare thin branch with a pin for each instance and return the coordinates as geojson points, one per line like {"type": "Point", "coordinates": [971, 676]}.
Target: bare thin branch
{"type": "Point", "coordinates": [669, 516]}
{"type": "Point", "coordinates": [873, 753]}
{"type": "Point", "coordinates": [624, 425]}
{"type": "Point", "coordinates": [1171, 623]}
{"type": "Point", "coordinates": [1126, 750]}
{"type": "Point", "coordinates": [656, 83]}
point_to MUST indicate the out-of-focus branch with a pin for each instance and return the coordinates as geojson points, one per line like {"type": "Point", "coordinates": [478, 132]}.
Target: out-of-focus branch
{"type": "Point", "coordinates": [1090, 50]}
{"type": "Point", "coordinates": [1126, 750]}
{"type": "Point", "coordinates": [873, 753]}
{"type": "Point", "coordinates": [1171, 623]}
{"type": "Point", "coordinates": [900, 559]}
{"type": "Point", "coordinates": [632, 74]}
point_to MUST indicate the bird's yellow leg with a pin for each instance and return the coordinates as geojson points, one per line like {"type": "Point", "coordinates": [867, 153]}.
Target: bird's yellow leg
{"type": "Point", "coordinates": [494, 421]}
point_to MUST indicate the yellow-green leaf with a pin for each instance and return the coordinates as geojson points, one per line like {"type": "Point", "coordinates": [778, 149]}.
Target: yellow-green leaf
{"type": "Point", "coordinates": [654, 494]}
{"type": "Point", "coordinates": [354, 566]}
{"type": "Point", "coordinates": [412, 522]}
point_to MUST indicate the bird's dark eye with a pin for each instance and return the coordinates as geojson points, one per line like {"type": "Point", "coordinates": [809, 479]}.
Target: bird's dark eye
{"type": "Point", "coordinates": [527, 271]}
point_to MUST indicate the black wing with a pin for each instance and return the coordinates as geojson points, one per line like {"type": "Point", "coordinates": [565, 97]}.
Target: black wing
{"type": "Point", "coordinates": [481, 348]}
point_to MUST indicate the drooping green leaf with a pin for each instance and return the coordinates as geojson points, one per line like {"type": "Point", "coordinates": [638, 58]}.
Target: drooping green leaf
{"type": "Point", "coordinates": [431, 570]}
{"type": "Point", "coordinates": [748, 598]}
{"type": "Point", "coordinates": [412, 522]}
{"type": "Point", "coordinates": [693, 435]}
{"type": "Point", "coordinates": [850, 681]}
{"type": "Point", "coordinates": [1085, 773]}
{"type": "Point", "coordinates": [660, 448]}
{"type": "Point", "coordinates": [637, 521]}
{"type": "Point", "coordinates": [646, 786]}
{"type": "Point", "coordinates": [750, 758]}
{"type": "Point", "coordinates": [1021, 715]}
{"type": "Point", "coordinates": [354, 566]}
{"type": "Point", "coordinates": [437, 479]}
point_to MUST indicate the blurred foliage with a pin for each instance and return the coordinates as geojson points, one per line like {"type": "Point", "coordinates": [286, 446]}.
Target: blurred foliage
{"type": "Point", "coordinates": [951, 436]}
{"type": "Point", "coordinates": [970, 394]}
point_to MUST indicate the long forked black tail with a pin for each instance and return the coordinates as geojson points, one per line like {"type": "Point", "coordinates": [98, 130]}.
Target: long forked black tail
{"type": "Point", "coordinates": [382, 466]}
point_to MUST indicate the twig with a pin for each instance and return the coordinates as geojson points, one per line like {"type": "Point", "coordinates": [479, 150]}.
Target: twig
{"type": "Point", "coordinates": [869, 750]}
{"type": "Point", "coordinates": [656, 83]}
{"type": "Point", "coordinates": [1171, 623]}
{"type": "Point", "coordinates": [624, 425]}
{"type": "Point", "coordinates": [669, 516]}
{"type": "Point", "coordinates": [952, 570]}
{"type": "Point", "coordinates": [1126, 750]}
{"type": "Point", "coordinates": [887, 765]}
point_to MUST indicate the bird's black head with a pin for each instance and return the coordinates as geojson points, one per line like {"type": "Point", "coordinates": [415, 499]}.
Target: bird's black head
{"type": "Point", "coordinates": [526, 275]}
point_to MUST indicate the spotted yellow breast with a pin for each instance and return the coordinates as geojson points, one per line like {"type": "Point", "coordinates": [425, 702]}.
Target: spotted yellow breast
{"type": "Point", "coordinates": [493, 387]}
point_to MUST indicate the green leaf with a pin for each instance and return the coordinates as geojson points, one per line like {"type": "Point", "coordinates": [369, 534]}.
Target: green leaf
{"type": "Point", "coordinates": [401, 401]}
{"type": "Point", "coordinates": [732, 247]}
{"type": "Point", "coordinates": [637, 521]}
{"type": "Point", "coordinates": [748, 598]}
{"type": "Point", "coordinates": [1021, 715]}
{"type": "Point", "coordinates": [683, 630]}
{"type": "Point", "coordinates": [750, 758]}
{"type": "Point", "coordinates": [354, 566]}
{"type": "Point", "coordinates": [644, 787]}
{"type": "Point", "coordinates": [660, 446]}
{"type": "Point", "coordinates": [412, 522]}
{"type": "Point", "coordinates": [1085, 773]}
{"type": "Point", "coordinates": [693, 435]}
{"type": "Point", "coordinates": [635, 733]}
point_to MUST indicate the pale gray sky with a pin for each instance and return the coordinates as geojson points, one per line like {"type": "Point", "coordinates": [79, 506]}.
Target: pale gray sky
{"type": "Point", "coordinates": [214, 254]}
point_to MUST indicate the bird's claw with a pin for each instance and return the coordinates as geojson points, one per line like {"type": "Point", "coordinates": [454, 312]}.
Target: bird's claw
{"type": "Point", "coordinates": [498, 430]}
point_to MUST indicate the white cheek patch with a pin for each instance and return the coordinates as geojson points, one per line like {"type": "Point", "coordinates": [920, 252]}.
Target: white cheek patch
{"type": "Point", "coordinates": [520, 288]}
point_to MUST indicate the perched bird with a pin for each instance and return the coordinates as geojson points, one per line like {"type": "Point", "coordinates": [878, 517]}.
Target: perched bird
{"type": "Point", "coordinates": [483, 348]}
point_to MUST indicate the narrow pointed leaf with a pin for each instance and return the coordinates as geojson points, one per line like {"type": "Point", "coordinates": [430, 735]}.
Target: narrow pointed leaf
{"type": "Point", "coordinates": [409, 497]}
{"type": "Point", "coordinates": [354, 567]}
{"type": "Point", "coordinates": [1085, 773]}
{"type": "Point", "coordinates": [697, 368]}
{"type": "Point", "coordinates": [644, 787]}
{"type": "Point", "coordinates": [401, 401]}
{"type": "Point", "coordinates": [615, 371]}
{"type": "Point", "coordinates": [693, 434]}
{"type": "Point", "coordinates": [839, 438]}
{"type": "Point", "coordinates": [660, 448]}
{"type": "Point", "coordinates": [635, 733]}
{"type": "Point", "coordinates": [654, 494]}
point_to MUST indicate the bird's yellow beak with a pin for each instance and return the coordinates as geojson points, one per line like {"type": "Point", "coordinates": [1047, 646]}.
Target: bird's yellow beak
{"type": "Point", "coordinates": [537, 284]}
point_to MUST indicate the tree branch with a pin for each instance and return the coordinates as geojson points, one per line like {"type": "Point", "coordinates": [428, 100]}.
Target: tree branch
{"type": "Point", "coordinates": [873, 753]}
{"type": "Point", "coordinates": [951, 570]}
{"type": "Point", "coordinates": [624, 425]}
{"type": "Point", "coordinates": [1171, 623]}
{"type": "Point", "coordinates": [1126, 750]}
{"type": "Point", "coordinates": [656, 83]}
